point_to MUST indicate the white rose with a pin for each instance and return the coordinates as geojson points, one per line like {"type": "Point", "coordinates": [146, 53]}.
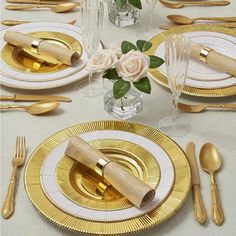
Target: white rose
{"type": "Point", "coordinates": [133, 65]}
{"type": "Point", "coordinates": [101, 61]}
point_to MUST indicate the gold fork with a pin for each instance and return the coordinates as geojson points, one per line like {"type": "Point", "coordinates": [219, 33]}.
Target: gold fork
{"type": "Point", "coordinates": [17, 161]}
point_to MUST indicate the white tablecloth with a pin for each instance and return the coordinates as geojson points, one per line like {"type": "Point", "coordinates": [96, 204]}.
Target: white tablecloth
{"type": "Point", "coordinates": [217, 127]}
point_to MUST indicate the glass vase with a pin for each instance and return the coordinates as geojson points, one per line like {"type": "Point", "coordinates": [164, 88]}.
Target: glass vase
{"type": "Point", "coordinates": [123, 108]}
{"type": "Point", "coordinates": [122, 17]}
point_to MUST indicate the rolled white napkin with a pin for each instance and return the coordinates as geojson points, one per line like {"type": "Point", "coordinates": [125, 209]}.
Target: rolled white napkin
{"type": "Point", "coordinates": [215, 59]}
{"type": "Point", "coordinates": [64, 55]}
{"type": "Point", "coordinates": [135, 190]}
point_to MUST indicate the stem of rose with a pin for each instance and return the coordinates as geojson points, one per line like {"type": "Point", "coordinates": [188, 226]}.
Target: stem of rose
{"type": "Point", "coordinates": [122, 104]}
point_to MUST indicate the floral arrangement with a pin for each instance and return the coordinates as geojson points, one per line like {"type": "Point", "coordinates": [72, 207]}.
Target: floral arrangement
{"type": "Point", "coordinates": [124, 65]}
{"type": "Point", "coordinates": [122, 3]}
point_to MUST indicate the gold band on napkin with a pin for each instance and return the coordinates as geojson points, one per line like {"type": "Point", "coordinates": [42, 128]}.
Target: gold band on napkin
{"type": "Point", "coordinates": [135, 190]}
{"type": "Point", "coordinates": [214, 59]}
{"type": "Point", "coordinates": [38, 46]}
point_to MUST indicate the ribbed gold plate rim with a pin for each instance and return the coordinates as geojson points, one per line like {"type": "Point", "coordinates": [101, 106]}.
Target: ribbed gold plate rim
{"type": "Point", "coordinates": [200, 92]}
{"type": "Point", "coordinates": [162, 213]}
{"type": "Point", "coordinates": [137, 159]}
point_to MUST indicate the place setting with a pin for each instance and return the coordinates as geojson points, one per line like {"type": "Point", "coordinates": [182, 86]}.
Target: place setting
{"type": "Point", "coordinates": [125, 174]}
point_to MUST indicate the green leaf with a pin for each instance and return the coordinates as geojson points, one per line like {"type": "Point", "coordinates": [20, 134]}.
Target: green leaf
{"type": "Point", "coordinates": [121, 3]}
{"type": "Point", "coordinates": [143, 85]}
{"type": "Point", "coordinates": [111, 74]}
{"type": "Point", "coordinates": [120, 88]}
{"type": "Point", "coordinates": [136, 3]}
{"type": "Point", "coordinates": [127, 46]}
{"type": "Point", "coordinates": [143, 45]}
{"type": "Point", "coordinates": [155, 62]}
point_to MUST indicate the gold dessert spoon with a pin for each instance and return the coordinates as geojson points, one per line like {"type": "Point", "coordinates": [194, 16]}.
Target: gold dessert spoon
{"type": "Point", "coordinates": [36, 108]}
{"type": "Point", "coordinates": [18, 22]}
{"type": "Point", "coordinates": [211, 162]}
{"type": "Point", "coordinates": [201, 107]}
{"type": "Point", "coordinates": [184, 20]}
{"type": "Point", "coordinates": [183, 4]}
{"type": "Point", "coordinates": [60, 8]}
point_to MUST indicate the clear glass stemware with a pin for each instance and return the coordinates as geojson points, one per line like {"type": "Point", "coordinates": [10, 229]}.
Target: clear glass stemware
{"type": "Point", "coordinates": [148, 32]}
{"type": "Point", "coordinates": [177, 54]}
{"type": "Point", "coordinates": [92, 12]}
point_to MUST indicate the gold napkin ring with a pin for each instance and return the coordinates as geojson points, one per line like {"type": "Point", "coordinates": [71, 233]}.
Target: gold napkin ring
{"type": "Point", "coordinates": [35, 45]}
{"type": "Point", "coordinates": [204, 54]}
{"type": "Point", "coordinates": [102, 162]}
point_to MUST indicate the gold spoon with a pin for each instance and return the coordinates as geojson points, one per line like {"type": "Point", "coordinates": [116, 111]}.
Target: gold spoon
{"type": "Point", "coordinates": [18, 22]}
{"type": "Point", "coordinates": [60, 8]}
{"type": "Point", "coordinates": [184, 20]}
{"type": "Point", "coordinates": [202, 107]}
{"type": "Point", "coordinates": [183, 4]}
{"type": "Point", "coordinates": [36, 108]}
{"type": "Point", "coordinates": [211, 162]}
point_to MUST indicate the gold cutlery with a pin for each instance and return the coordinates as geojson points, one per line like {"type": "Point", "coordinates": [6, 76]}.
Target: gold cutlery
{"type": "Point", "coordinates": [199, 209]}
{"type": "Point", "coordinates": [184, 20]}
{"type": "Point", "coordinates": [59, 8]}
{"type": "Point", "coordinates": [39, 2]}
{"type": "Point", "coordinates": [183, 4]}
{"type": "Point", "coordinates": [211, 162]}
{"type": "Point", "coordinates": [201, 107]}
{"type": "Point", "coordinates": [37, 108]}
{"type": "Point", "coordinates": [226, 25]}
{"type": "Point", "coordinates": [17, 161]}
{"type": "Point", "coordinates": [33, 98]}
{"type": "Point", "coordinates": [18, 22]}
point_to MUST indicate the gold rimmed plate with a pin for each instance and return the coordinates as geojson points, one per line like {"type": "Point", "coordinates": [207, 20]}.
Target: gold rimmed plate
{"type": "Point", "coordinates": [86, 188]}
{"type": "Point", "coordinates": [203, 81]}
{"type": "Point", "coordinates": [25, 61]}
{"type": "Point", "coordinates": [170, 157]}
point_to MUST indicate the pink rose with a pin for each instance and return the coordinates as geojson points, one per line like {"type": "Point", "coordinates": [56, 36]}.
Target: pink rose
{"type": "Point", "coordinates": [133, 65]}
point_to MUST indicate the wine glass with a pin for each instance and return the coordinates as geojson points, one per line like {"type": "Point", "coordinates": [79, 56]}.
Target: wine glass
{"type": "Point", "coordinates": [92, 12]}
{"type": "Point", "coordinates": [148, 33]}
{"type": "Point", "coordinates": [177, 54]}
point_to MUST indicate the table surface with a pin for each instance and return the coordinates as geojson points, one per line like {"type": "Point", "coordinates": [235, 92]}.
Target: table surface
{"type": "Point", "coordinates": [217, 127]}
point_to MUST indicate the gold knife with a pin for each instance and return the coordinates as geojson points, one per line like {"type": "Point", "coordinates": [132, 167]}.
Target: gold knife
{"type": "Point", "coordinates": [226, 25]}
{"type": "Point", "coordinates": [33, 98]}
{"type": "Point", "coordinates": [39, 2]}
{"type": "Point", "coordinates": [199, 209]}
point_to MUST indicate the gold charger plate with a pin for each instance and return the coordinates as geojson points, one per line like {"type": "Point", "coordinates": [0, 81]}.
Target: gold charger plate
{"type": "Point", "coordinates": [86, 188]}
{"type": "Point", "coordinates": [200, 92]}
{"type": "Point", "coordinates": [23, 60]}
{"type": "Point", "coordinates": [162, 213]}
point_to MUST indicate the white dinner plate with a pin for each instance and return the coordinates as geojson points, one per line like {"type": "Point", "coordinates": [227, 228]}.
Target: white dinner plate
{"type": "Point", "coordinates": [201, 75]}
{"type": "Point", "coordinates": [17, 79]}
{"type": "Point", "coordinates": [53, 192]}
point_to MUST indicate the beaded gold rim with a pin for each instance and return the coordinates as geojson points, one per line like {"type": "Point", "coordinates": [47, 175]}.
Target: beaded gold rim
{"type": "Point", "coordinates": [143, 165]}
{"type": "Point", "coordinates": [159, 215]}
{"type": "Point", "coordinates": [156, 74]}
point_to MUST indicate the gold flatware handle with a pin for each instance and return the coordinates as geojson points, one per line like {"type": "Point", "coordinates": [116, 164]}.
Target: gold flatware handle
{"type": "Point", "coordinates": [6, 107]}
{"type": "Point", "coordinates": [199, 209]}
{"type": "Point", "coordinates": [211, 3]}
{"type": "Point", "coordinates": [228, 19]}
{"type": "Point", "coordinates": [13, 22]}
{"type": "Point", "coordinates": [39, 2]}
{"type": "Point", "coordinates": [217, 212]}
{"type": "Point", "coordinates": [230, 106]}
{"type": "Point", "coordinates": [8, 206]}
{"type": "Point", "coordinates": [7, 98]}
{"type": "Point", "coordinates": [25, 7]}
{"type": "Point", "coordinates": [226, 25]}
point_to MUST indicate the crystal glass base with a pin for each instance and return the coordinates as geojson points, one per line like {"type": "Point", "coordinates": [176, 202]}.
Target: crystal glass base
{"type": "Point", "coordinates": [124, 108]}
{"type": "Point", "coordinates": [123, 17]}
{"type": "Point", "coordinates": [174, 129]}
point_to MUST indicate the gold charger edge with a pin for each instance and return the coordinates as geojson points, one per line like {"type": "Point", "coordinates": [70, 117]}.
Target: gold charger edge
{"type": "Point", "coordinates": [171, 205]}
